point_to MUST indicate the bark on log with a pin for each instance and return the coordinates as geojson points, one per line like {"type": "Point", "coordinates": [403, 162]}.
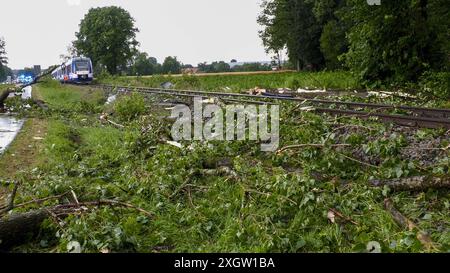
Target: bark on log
{"type": "Point", "coordinates": [416, 183]}
{"type": "Point", "coordinates": [4, 96]}
{"type": "Point", "coordinates": [17, 229]}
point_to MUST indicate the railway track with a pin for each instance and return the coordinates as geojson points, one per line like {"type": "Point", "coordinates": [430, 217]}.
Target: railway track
{"type": "Point", "coordinates": [414, 117]}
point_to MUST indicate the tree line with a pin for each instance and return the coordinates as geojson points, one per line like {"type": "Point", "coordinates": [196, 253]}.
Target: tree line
{"type": "Point", "coordinates": [397, 41]}
{"type": "Point", "coordinates": [108, 36]}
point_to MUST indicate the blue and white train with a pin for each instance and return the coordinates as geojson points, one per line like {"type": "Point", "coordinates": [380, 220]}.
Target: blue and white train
{"type": "Point", "coordinates": [77, 70]}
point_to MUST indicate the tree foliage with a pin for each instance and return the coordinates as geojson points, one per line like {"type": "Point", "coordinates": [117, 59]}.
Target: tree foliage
{"type": "Point", "coordinates": [214, 67]}
{"type": "Point", "coordinates": [143, 65]}
{"type": "Point", "coordinates": [394, 42]}
{"type": "Point", "coordinates": [4, 70]}
{"type": "Point", "coordinates": [171, 65]}
{"type": "Point", "coordinates": [292, 24]}
{"type": "Point", "coordinates": [108, 36]}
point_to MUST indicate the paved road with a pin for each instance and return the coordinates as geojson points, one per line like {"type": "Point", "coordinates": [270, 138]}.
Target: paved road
{"type": "Point", "coordinates": [10, 126]}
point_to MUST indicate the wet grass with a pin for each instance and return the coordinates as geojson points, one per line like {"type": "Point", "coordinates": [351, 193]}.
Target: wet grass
{"type": "Point", "coordinates": [323, 80]}
{"type": "Point", "coordinates": [68, 98]}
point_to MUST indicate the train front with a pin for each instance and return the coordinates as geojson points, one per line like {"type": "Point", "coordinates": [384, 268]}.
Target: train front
{"type": "Point", "coordinates": [82, 70]}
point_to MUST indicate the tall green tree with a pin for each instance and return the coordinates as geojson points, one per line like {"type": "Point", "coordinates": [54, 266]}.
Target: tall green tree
{"type": "Point", "coordinates": [273, 36]}
{"type": "Point", "coordinates": [398, 40]}
{"type": "Point", "coordinates": [171, 65]}
{"type": "Point", "coordinates": [108, 36]}
{"type": "Point", "coordinates": [292, 24]}
{"type": "Point", "coordinates": [333, 41]}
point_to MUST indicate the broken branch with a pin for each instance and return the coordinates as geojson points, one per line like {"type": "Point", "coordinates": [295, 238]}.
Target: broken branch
{"type": "Point", "coordinates": [299, 146]}
{"type": "Point", "coordinates": [405, 223]}
{"type": "Point", "coordinates": [10, 205]}
{"type": "Point", "coordinates": [416, 183]}
{"type": "Point", "coordinates": [342, 216]}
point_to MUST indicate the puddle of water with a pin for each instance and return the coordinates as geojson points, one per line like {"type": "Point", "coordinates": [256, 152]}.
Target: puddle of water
{"type": "Point", "coordinates": [10, 125]}
{"type": "Point", "coordinates": [9, 128]}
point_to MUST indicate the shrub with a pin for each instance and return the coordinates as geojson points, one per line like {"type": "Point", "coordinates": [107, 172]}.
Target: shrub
{"type": "Point", "coordinates": [436, 84]}
{"type": "Point", "coordinates": [293, 83]}
{"type": "Point", "coordinates": [129, 107]}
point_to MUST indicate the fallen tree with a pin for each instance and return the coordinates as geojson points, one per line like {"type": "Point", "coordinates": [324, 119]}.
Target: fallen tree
{"type": "Point", "coordinates": [416, 183]}
{"type": "Point", "coordinates": [19, 88]}
{"type": "Point", "coordinates": [18, 228]}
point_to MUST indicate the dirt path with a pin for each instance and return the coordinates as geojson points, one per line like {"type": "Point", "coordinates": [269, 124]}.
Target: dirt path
{"type": "Point", "coordinates": [24, 152]}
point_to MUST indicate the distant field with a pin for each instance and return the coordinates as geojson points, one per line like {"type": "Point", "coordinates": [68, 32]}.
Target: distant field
{"type": "Point", "coordinates": [227, 73]}
{"type": "Point", "coordinates": [240, 82]}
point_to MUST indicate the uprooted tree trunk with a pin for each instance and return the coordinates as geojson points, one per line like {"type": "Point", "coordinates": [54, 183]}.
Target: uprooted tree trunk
{"type": "Point", "coordinates": [416, 183]}
{"type": "Point", "coordinates": [4, 96]}
{"type": "Point", "coordinates": [16, 229]}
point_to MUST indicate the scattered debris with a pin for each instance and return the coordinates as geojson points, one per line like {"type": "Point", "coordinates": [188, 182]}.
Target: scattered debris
{"type": "Point", "coordinates": [308, 91]}
{"type": "Point", "coordinates": [257, 91]}
{"type": "Point", "coordinates": [226, 171]}
{"type": "Point", "coordinates": [167, 85]}
{"type": "Point", "coordinates": [111, 99]}
{"type": "Point", "coordinates": [176, 144]}
{"type": "Point", "coordinates": [333, 214]}
{"type": "Point", "coordinates": [105, 119]}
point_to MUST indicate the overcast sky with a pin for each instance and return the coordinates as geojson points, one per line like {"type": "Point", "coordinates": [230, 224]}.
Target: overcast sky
{"type": "Point", "coordinates": [37, 32]}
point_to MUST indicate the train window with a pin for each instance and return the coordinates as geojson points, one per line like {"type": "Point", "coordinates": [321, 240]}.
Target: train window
{"type": "Point", "coordinates": [82, 66]}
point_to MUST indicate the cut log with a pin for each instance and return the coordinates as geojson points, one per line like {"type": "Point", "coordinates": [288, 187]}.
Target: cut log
{"type": "Point", "coordinates": [416, 183]}
{"type": "Point", "coordinates": [4, 96]}
{"type": "Point", "coordinates": [17, 229]}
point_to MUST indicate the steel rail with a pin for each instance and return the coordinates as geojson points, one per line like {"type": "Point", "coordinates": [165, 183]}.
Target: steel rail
{"type": "Point", "coordinates": [421, 111]}
{"type": "Point", "coordinates": [403, 120]}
